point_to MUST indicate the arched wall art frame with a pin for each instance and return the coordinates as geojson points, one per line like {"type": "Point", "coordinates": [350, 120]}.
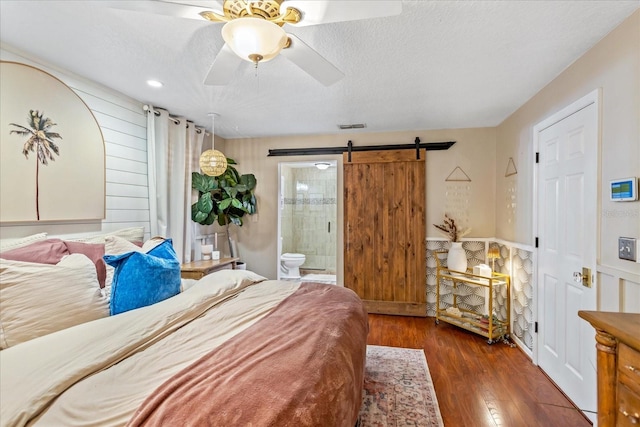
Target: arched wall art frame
{"type": "Point", "coordinates": [52, 153]}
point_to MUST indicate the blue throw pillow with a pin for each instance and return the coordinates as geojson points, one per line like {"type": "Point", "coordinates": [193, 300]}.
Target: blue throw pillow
{"type": "Point", "coordinates": [142, 279]}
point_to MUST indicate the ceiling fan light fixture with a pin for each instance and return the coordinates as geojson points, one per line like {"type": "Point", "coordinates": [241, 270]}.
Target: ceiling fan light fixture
{"type": "Point", "coordinates": [254, 39]}
{"type": "Point", "coordinates": [322, 165]}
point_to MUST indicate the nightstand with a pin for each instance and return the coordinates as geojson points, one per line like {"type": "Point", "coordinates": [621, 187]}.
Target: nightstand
{"type": "Point", "coordinates": [199, 269]}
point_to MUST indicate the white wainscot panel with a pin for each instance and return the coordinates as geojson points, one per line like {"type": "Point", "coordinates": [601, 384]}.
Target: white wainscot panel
{"type": "Point", "coordinates": [123, 126]}
{"type": "Point", "coordinates": [121, 177]}
{"type": "Point", "coordinates": [123, 152]}
{"type": "Point", "coordinates": [127, 203]}
{"type": "Point", "coordinates": [128, 113]}
{"type": "Point", "coordinates": [126, 165]}
{"type": "Point", "coordinates": [127, 190]}
{"type": "Point", "coordinates": [121, 215]}
{"type": "Point", "coordinates": [631, 292]}
{"type": "Point", "coordinates": [120, 138]}
{"type": "Point", "coordinates": [609, 290]}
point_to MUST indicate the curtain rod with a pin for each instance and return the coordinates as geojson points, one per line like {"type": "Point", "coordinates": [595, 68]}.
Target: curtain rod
{"type": "Point", "coordinates": [429, 146]}
{"type": "Point", "coordinates": [173, 119]}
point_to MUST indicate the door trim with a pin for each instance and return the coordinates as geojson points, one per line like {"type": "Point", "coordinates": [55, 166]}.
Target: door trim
{"type": "Point", "coordinates": [593, 97]}
{"type": "Point", "coordinates": [335, 164]}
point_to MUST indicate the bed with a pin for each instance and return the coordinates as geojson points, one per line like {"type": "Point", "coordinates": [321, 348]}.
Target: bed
{"type": "Point", "coordinates": [233, 348]}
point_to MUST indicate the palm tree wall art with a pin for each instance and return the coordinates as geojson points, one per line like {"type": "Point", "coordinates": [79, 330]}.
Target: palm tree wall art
{"type": "Point", "coordinates": [53, 151]}
{"type": "Point", "coordinates": [40, 140]}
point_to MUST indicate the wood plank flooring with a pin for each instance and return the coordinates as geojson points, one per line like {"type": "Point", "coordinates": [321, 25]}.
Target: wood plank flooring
{"type": "Point", "coordinates": [478, 384]}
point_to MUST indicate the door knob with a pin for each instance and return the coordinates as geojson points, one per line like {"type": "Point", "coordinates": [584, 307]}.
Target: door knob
{"type": "Point", "coordinates": [583, 277]}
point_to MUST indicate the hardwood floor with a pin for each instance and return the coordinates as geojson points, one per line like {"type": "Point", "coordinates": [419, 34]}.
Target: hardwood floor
{"type": "Point", "coordinates": [478, 384]}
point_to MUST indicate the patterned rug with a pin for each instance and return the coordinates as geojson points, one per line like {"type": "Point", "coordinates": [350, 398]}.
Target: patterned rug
{"type": "Point", "coordinates": [398, 390]}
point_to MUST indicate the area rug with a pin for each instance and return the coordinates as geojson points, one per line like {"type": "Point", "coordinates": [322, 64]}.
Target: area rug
{"type": "Point", "coordinates": [398, 390]}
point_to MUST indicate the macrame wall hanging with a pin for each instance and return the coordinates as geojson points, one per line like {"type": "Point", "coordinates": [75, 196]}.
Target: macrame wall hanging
{"type": "Point", "coordinates": [458, 190]}
{"type": "Point", "coordinates": [511, 191]}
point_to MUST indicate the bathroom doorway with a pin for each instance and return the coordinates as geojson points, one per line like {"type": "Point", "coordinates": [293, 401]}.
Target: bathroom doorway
{"type": "Point", "coordinates": [307, 220]}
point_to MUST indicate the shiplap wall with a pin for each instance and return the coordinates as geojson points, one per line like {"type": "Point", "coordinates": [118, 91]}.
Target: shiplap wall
{"type": "Point", "coordinates": [123, 124]}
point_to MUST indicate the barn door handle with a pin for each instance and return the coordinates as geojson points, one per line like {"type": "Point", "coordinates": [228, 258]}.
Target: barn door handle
{"type": "Point", "coordinates": [328, 226]}
{"type": "Point", "coordinates": [348, 234]}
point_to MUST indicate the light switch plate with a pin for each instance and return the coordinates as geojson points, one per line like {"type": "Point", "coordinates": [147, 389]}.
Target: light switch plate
{"type": "Point", "coordinates": [627, 248]}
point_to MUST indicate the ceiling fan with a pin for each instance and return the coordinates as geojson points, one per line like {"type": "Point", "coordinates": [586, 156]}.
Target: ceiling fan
{"type": "Point", "coordinates": [253, 29]}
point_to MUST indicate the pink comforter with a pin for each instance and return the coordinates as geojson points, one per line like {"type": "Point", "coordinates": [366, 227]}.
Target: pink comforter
{"type": "Point", "coordinates": [301, 365]}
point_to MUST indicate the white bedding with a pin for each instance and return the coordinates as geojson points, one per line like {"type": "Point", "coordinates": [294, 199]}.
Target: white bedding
{"type": "Point", "coordinates": [123, 358]}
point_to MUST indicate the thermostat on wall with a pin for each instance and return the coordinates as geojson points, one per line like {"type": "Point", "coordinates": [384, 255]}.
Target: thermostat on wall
{"type": "Point", "coordinates": [624, 190]}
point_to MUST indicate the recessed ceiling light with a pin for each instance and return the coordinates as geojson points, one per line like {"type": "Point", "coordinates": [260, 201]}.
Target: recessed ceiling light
{"type": "Point", "coordinates": [323, 165]}
{"type": "Point", "coordinates": [154, 83]}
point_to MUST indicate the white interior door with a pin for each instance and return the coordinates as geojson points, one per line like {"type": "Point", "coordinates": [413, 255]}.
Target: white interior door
{"type": "Point", "coordinates": [568, 235]}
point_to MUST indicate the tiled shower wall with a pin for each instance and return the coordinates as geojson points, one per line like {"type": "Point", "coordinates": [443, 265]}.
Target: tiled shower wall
{"type": "Point", "coordinates": [309, 216]}
{"type": "Point", "coordinates": [517, 262]}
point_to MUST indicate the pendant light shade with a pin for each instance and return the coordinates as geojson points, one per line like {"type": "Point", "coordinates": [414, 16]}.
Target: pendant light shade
{"type": "Point", "coordinates": [213, 163]}
{"type": "Point", "coordinates": [254, 39]}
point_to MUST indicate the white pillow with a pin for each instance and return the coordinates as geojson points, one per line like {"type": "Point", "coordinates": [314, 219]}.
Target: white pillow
{"type": "Point", "coordinates": [133, 234]}
{"type": "Point", "coordinates": [115, 245]}
{"type": "Point", "coordinates": [8, 244]}
{"type": "Point", "coordinates": [39, 299]}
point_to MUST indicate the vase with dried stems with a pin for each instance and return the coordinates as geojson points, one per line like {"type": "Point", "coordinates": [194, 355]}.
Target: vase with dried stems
{"type": "Point", "coordinates": [457, 257]}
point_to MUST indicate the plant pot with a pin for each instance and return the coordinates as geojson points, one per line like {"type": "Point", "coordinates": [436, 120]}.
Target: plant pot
{"type": "Point", "coordinates": [457, 257]}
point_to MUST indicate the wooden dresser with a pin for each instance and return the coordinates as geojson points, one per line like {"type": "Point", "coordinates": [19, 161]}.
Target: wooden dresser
{"type": "Point", "coordinates": [618, 344]}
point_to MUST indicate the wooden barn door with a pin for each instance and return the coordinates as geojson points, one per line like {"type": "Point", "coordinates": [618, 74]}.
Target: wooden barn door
{"type": "Point", "coordinates": [384, 217]}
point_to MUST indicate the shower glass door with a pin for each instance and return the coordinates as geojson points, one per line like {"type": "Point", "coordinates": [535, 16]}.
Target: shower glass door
{"type": "Point", "coordinates": [308, 214]}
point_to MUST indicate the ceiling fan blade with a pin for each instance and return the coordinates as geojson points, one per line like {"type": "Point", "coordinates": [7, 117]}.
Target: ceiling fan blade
{"type": "Point", "coordinates": [223, 68]}
{"type": "Point", "coordinates": [178, 8]}
{"type": "Point", "coordinates": [311, 62]}
{"type": "Point", "coordinates": [323, 12]}
{"type": "Point", "coordinates": [206, 4]}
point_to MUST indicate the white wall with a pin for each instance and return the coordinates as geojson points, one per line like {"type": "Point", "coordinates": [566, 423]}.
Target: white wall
{"type": "Point", "coordinates": [474, 152]}
{"type": "Point", "coordinates": [123, 126]}
{"type": "Point", "coordinates": [614, 66]}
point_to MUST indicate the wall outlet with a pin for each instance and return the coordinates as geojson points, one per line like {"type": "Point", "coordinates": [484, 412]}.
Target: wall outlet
{"type": "Point", "coordinates": [627, 248]}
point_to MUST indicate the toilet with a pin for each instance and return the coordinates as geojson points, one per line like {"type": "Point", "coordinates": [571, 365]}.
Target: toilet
{"type": "Point", "coordinates": [290, 265]}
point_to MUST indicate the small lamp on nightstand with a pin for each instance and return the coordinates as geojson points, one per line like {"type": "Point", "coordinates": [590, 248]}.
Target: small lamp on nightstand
{"type": "Point", "coordinates": [493, 253]}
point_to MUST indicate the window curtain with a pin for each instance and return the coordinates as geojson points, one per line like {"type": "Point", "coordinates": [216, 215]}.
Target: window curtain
{"type": "Point", "coordinates": [173, 150]}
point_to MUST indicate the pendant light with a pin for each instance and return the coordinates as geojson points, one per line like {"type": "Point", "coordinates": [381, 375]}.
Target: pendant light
{"type": "Point", "coordinates": [213, 162]}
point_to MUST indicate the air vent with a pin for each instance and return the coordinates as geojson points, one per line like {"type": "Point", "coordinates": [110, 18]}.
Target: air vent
{"type": "Point", "coordinates": [353, 126]}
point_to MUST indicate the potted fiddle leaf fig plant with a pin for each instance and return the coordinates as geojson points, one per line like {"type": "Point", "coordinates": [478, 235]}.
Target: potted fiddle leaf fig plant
{"type": "Point", "coordinates": [224, 199]}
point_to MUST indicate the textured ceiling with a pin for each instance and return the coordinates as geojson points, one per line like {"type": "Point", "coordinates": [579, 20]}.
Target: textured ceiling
{"type": "Point", "coordinates": [437, 65]}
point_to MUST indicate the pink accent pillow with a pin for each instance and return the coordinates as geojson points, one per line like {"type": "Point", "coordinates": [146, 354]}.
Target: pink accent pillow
{"type": "Point", "coordinates": [93, 251]}
{"type": "Point", "coordinates": [49, 251]}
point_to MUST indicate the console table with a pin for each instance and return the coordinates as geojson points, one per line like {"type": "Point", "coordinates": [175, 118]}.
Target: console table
{"type": "Point", "coordinates": [199, 269]}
